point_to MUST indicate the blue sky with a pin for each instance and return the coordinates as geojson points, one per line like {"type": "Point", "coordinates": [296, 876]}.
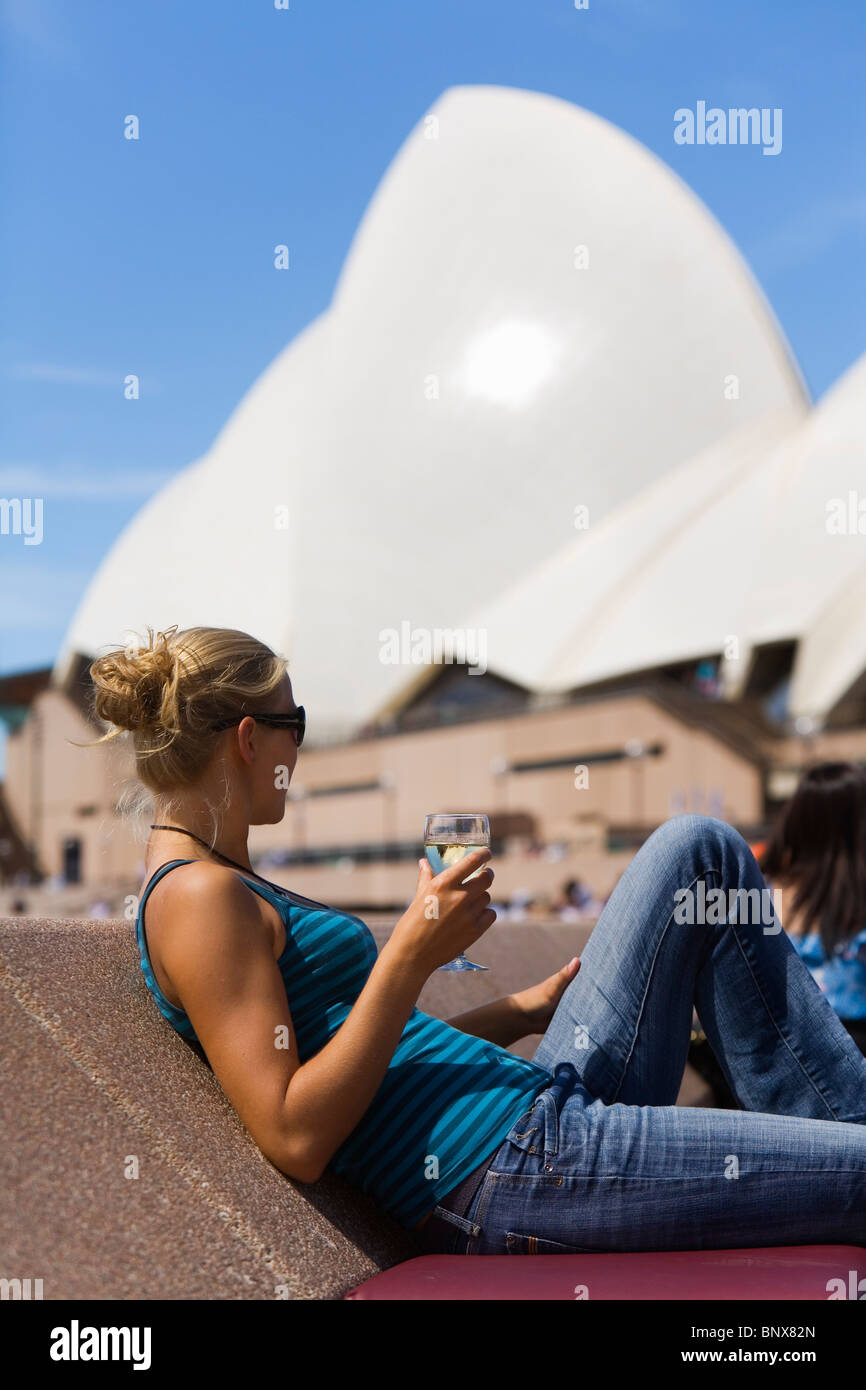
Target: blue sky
{"type": "Point", "coordinates": [261, 126]}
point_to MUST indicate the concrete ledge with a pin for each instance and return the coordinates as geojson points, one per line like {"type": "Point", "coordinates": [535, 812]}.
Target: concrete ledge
{"type": "Point", "coordinates": [95, 1085]}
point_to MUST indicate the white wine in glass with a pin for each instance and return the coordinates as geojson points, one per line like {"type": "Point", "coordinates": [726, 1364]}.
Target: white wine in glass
{"type": "Point", "coordinates": [447, 838]}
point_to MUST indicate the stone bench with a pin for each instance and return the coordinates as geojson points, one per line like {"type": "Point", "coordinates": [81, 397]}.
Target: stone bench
{"type": "Point", "coordinates": [127, 1173]}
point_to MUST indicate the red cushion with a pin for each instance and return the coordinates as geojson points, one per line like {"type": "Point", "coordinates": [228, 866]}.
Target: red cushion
{"type": "Point", "coordinates": [780, 1271]}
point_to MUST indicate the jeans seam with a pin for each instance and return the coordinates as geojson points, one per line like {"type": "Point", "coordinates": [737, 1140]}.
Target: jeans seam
{"type": "Point", "coordinates": [649, 980]}
{"type": "Point", "coordinates": [551, 1123]}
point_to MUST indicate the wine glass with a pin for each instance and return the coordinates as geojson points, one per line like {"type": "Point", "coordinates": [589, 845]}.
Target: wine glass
{"type": "Point", "coordinates": [447, 838]}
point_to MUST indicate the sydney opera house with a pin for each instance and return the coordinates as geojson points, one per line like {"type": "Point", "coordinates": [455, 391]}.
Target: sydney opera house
{"type": "Point", "coordinates": [540, 513]}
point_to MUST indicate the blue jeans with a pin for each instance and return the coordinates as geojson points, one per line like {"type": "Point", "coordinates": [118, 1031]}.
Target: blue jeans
{"type": "Point", "coordinates": [605, 1160]}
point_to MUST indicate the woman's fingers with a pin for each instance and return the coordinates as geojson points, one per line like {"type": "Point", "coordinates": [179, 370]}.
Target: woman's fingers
{"type": "Point", "coordinates": [481, 880]}
{"type": "Point", "coordinates": [454, 875]}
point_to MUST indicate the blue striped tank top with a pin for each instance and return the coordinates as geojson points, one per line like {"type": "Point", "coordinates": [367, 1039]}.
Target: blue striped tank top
{"type": "Point", "coordinates": [448, 1098]}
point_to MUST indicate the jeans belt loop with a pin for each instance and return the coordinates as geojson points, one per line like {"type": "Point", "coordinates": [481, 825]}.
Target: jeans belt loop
{"type": "Point", "coordinates": [463, 1196]}
{"type": "Point", "coordinates": [468, 1228]}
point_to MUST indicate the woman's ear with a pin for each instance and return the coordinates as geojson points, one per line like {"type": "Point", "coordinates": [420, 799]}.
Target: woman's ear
{"type": "Point", "coordinates": [245, 735]}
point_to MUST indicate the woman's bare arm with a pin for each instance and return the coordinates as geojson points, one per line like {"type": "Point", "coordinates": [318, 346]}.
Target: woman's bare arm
{"type": "Point", "coordinates": [502, 1021]}
{"type": "Point", "coordinates": [219, 956]}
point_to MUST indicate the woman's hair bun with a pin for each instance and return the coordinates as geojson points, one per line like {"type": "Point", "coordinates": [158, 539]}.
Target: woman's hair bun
{"type": "Point", "coordinates": [173, 689]}
{"type": "Point", "coordinates": [136, 685]}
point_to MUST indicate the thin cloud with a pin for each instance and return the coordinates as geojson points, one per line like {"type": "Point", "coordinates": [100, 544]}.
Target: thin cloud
{"type": "Point", "coordinates": [26, 480]}
{"type": "Point", "coordinates": [59, 375]}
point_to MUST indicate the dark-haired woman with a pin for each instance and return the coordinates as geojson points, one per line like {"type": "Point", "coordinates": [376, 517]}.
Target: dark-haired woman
{"type": "Point", "coordinates": [817, 856]}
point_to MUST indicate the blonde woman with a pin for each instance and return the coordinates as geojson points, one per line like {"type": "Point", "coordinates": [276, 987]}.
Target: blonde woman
{"type": "Point", "coordinates": [319, 1045]}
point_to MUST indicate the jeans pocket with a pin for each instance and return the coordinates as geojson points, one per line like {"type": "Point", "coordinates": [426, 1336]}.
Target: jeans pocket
{"type": "Point", "coordinates": [520, 1243]}
{"type": "Point", "coordinates": [537, 1131]}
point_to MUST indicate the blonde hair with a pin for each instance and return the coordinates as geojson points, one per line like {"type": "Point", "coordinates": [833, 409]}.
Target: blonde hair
{"type": "Point", "coordinates": [170, 692]}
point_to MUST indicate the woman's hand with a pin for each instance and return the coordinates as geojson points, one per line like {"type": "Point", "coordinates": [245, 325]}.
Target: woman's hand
{"type": "Point", "coordinates": [538, 1003]}
{"type": "Point", "coordinates": [448, 913]}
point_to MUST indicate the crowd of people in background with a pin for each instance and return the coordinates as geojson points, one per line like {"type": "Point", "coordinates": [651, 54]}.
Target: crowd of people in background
{"type": "Point", "coordinates": [575, 902]}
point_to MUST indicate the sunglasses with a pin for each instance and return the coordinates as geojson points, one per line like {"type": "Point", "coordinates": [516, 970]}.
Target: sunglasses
{"type": "Point", "coordinates": [296, 721]}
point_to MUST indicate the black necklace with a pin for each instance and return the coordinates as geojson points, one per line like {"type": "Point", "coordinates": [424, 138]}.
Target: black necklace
{"type": "Point", "coordinates": [218, 852]}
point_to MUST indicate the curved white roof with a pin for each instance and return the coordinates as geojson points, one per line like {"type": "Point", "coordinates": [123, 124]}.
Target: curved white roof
{"type": "Point", "coordinates": [803, 563]}
{"type": "Point", "coordinates": [660, 580]}
{"type": "Point", "coordinates": [476, 377]}
{"type": "Point", "coordinates": [823, 540]}
{"type": "Point", "coordinates": [755, 538]}
{"type": "Point", "coordinates": [832, 654]}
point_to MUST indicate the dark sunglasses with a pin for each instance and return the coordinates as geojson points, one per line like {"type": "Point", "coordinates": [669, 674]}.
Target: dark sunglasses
{"type": "Point", "coordinates": [296, 721]}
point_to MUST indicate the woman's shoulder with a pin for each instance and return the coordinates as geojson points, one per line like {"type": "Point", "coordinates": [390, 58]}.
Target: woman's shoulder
{"type": "Point", "coordinates": [203, 905]}
{"type": "Point", "coordinates": [198, 879]}
{"type": "Point", "coordinates": [187, 871]}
